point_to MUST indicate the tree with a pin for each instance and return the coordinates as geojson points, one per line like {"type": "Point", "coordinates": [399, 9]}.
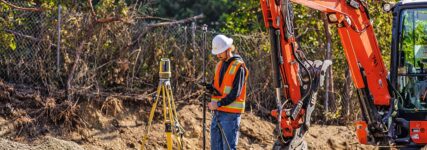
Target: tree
{"type": "Point", "coordinates": [212, 9]}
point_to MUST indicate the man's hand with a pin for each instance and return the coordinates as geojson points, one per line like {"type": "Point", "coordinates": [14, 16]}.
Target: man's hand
{"type": "Point", "coordinates": [213, 105]}
{"type": "Point", "coordinates": [208, 86]}
{"type": "Point", "coordinates": [211, 88]}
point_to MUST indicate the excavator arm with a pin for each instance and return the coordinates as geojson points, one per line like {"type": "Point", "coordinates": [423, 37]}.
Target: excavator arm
{"type": "Point", "coordinates": [363, 55]}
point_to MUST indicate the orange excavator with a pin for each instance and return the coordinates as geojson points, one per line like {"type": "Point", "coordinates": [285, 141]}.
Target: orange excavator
{"type": "Point", "coordinates": [393, 104]}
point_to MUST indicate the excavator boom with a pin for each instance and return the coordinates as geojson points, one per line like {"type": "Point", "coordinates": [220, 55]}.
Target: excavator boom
{"type": "Point", "coordinates": [364, 59]}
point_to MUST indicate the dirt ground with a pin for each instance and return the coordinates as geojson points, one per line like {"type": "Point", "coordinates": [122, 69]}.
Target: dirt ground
{"type": "Point", "coordinates": [122, 127]}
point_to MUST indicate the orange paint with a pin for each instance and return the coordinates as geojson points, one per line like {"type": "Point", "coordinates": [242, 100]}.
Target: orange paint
{"type": "Point", "coordinates": [362, 132]}
{"type": "Point", "coordinates": [418, 131]}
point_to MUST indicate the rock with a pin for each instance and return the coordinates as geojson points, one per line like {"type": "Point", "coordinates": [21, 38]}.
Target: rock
{"type": "Point", "coordinates": [131, 145]}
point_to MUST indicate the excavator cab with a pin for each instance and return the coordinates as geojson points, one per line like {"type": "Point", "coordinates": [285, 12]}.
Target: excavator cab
{"type": "Point", "coordinates": [409, 72]}
{"type": "Point", "coordinates": [412, 71]}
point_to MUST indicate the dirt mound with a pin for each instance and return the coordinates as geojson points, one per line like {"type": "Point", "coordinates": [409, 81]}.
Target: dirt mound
{"type": "Point", "coordinates": [255, 133]}
{"type": "Point", "coordinates": [333, 137]}
{"type": "Point", "coordinates": [46, 144]}
{"type": "Point", "coordinates": [7, 145]}
{"type": "Point", "coordinates": [120, 128]}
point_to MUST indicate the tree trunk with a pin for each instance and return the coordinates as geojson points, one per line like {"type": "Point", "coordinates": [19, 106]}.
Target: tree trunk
{"type": "Point", "coordinates": [329, 86]}
{"type": "Point", "coordinates": [348, 93]}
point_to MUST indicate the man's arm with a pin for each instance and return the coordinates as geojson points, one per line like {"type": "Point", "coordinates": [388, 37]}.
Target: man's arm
{"type": "Point", "coordinates": [235, 92]}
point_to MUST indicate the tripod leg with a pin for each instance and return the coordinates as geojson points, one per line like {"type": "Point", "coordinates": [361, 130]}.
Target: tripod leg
{"type": "Point", "coordinates": [177, 131]}
{"type": "Point", "coordinates": [166, 116]}
{"type": "Point", "coordinates": [150, 119]}
{"type": "Point", "coordinates": [170, 95]}
{"type": "Point", "coordinates": [169, 105]}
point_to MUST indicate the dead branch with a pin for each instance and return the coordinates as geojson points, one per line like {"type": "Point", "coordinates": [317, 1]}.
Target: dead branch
{"type": "Point", "coordinates": [73, 69]}
{"type": "Point", "coordinates": [91, 8]}
{"type": "Point", "coordinates": [28, 37]}
{"type": "Point", "coordinates": [28, 93]}
{"type": "Point", "coordinates": [22, 35]}
{"type": "Point", "coordinates": [125, 97]}
{"type": "Point", "coordinates": [79, 50]}
{"type": "Point", "coordinates": [109, 19]}
{"type": "Point", "coordinates": [22, 8]}
{"type": "Point", "coordinates": [163, 24]}
{"type": "Point", "coordinates": [153, 17]}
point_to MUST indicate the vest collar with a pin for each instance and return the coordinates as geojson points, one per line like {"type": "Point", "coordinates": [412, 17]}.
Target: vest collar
{"type": "Point", "coordinates": [235, 57]}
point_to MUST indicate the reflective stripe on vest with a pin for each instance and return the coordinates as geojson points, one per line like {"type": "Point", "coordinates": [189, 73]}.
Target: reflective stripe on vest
{"type": "Point", "coordinates": [238, 106]}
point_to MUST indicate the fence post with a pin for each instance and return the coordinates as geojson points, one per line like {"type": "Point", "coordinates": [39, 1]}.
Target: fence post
{"type": "Point", "coordinates": [193, 38]}
{"type": "Point", "coordinates": [58, 46]}
{"type": "Point", "coordinates": [186, 39]}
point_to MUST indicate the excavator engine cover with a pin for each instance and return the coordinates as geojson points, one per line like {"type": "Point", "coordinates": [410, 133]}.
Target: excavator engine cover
{"type": "Point", "coordinates": [418, 131]}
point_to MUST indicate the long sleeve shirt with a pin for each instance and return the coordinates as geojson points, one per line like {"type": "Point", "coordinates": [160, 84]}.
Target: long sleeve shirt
{"type": "Point", "coordinates": [238, 82]}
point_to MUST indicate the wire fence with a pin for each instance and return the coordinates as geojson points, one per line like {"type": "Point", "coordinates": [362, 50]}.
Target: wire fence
{"type": "Point", "coordinates": [61, 52]}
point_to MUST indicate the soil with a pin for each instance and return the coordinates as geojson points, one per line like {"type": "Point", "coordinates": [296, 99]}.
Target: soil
{"type": "Point", "coordinates": [47, 143]}
{"type": "Point", "coordinates": [117, 125]}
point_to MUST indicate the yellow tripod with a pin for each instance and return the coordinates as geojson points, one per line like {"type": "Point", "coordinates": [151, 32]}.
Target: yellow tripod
{"type": "Point", "coordinates": [172, 125]}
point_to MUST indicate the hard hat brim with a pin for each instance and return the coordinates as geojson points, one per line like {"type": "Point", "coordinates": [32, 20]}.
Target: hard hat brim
{"type": "Point", "coordinates": [228, 41]}
{"type": "Point", "coordinates": [219, 51]}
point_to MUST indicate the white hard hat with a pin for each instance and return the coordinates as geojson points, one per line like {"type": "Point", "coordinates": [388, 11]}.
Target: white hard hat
{"type": "Point", "coordinates": [220, 43]}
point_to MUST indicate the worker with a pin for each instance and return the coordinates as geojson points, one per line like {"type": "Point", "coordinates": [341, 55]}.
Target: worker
{"type": "Point", "coordinates": [228, 102]}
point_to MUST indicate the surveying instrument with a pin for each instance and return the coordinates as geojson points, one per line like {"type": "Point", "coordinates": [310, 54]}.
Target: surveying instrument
{"type": "Point", "coordinates": [172, 126]}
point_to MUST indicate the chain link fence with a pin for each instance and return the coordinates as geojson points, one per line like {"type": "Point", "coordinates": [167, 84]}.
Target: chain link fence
{"type": "Point", "coordinates": [63, 53]}
{"type": "Point", "coordinates": [27, 47]}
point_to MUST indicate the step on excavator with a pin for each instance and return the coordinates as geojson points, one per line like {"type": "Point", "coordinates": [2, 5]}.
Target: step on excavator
{"type": "Point", "coordinates": [393, 104]}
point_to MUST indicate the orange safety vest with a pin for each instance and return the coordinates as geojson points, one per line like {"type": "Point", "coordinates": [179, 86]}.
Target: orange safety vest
{"type": "Point", "coordinates": [238, 106]}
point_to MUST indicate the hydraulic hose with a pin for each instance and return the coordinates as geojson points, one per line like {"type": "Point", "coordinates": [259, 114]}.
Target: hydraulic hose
{"type": "Point", "coordinates": [288, 14]}
{"type": "Point", "coordinates": [297, 108]}
{"type": "Point", "coordinates": [275, 47]}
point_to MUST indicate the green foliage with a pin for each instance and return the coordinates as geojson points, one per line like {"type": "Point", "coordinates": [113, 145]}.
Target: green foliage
{"type": "Point", "coordinates": [414, 34]}
{"type": "Point", "coordinates": [212, 9]}
{"type": "Point", "coordinates": [382, 23]}
{"type": "Point", "coordinates": [106, 8]}
{"type": "Point", "coordinates": [246, 18]}
{"type": "Point", "coordinates": [237, 16]}
{"type": "Point", "coordinates": [7, 40]}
